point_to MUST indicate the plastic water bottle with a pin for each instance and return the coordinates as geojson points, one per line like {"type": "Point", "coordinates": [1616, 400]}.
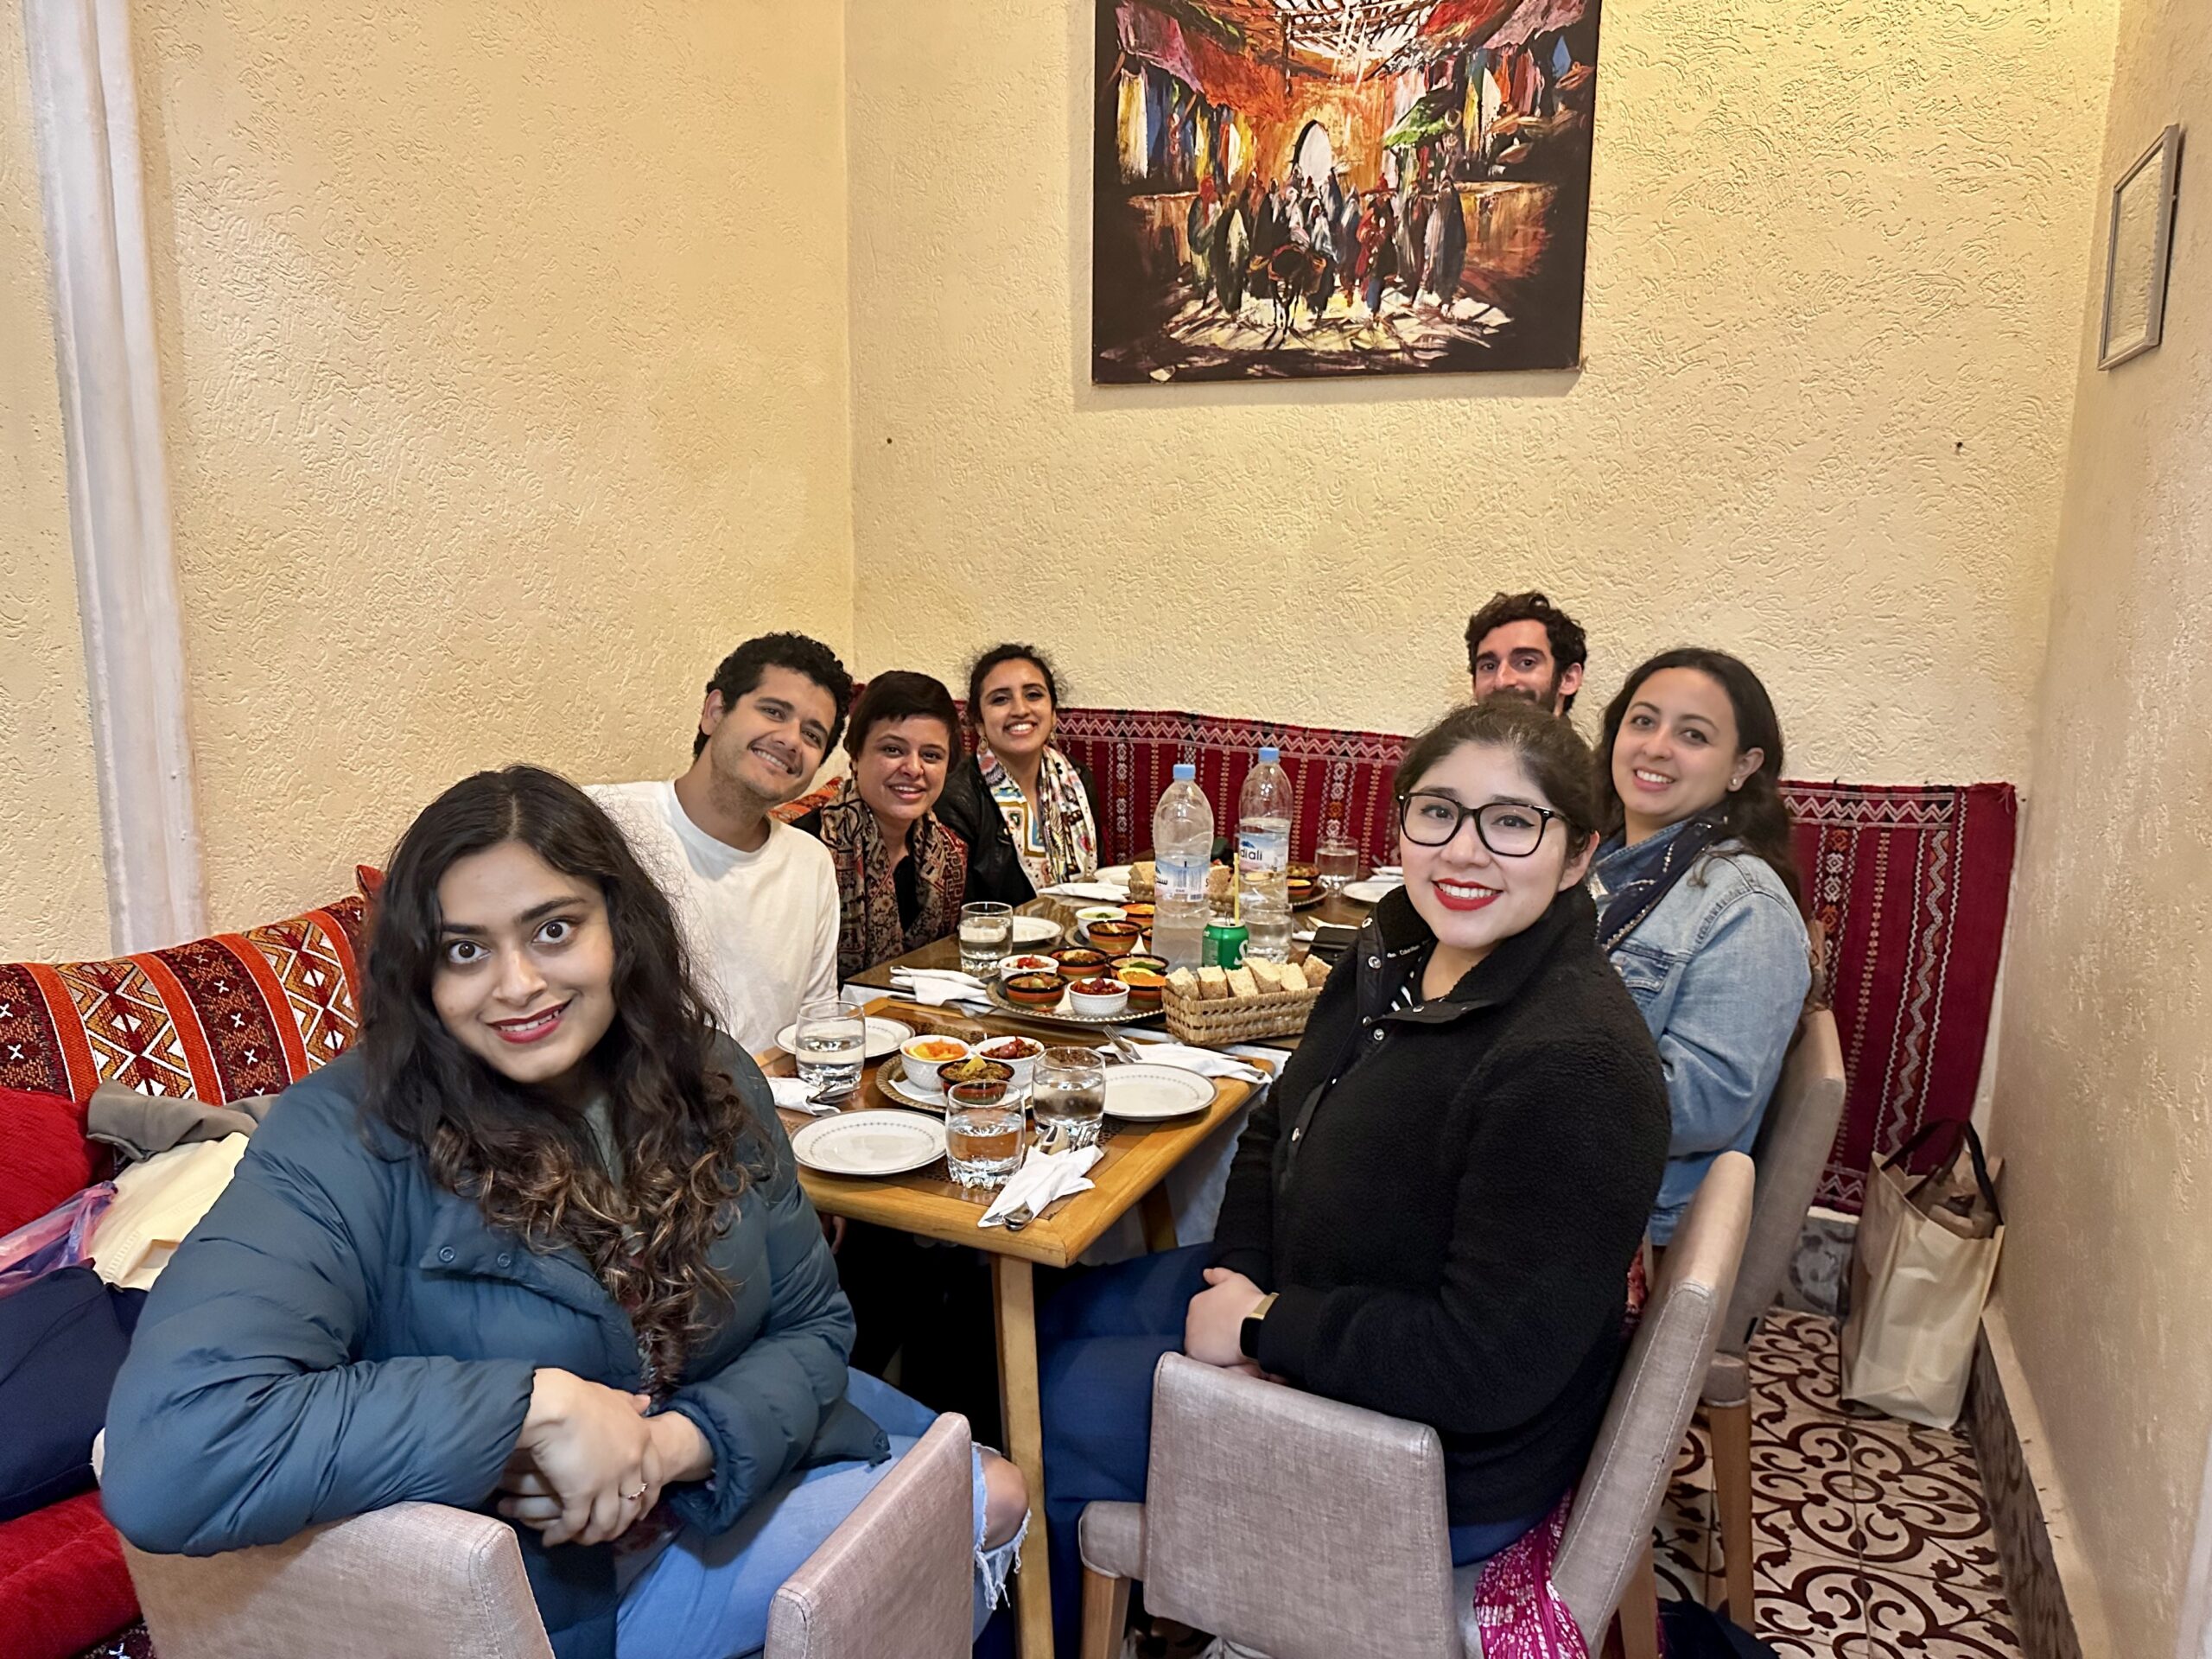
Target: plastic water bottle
{"type": "Point", "coordinates": [1263, 815]}
{"type": "Point", "coordinates": [1182, 847]}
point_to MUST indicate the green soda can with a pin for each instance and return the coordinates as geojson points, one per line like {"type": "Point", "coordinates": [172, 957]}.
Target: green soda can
{"type": "Point", "coordinates": [1224, 944]}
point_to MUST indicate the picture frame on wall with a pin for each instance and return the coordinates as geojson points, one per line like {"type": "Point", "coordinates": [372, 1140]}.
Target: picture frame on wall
{"type": "Point", "coordinates": [2137, 243]}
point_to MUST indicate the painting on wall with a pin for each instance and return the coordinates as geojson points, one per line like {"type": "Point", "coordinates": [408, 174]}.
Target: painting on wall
{"type": "Point", "coordinates": [1301, 189]}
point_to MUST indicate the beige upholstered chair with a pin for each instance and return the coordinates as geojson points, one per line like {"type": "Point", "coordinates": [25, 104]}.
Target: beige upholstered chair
{"type": "Point", "coordinates": [1792, 1149]}
{"type": "Point", "coordinates": [897, 1577]}
{"type": "Point", "coordinates": [394, 1584]}
{"type": "Point", "coordinates": [1305, 1528]}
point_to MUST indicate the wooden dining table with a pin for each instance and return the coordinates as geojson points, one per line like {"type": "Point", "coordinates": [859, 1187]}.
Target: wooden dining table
{"type": "Point", "coordinates": [927, 1203]}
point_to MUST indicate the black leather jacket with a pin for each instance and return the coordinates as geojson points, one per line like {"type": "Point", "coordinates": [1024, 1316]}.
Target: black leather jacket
{"type": "Point", "coordinates": [993, 863]}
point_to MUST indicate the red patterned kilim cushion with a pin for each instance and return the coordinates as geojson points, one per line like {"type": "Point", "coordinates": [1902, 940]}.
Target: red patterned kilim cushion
{"type": "Point", "coordinates": [791, 811]}
{"type": "Point", "coordinates": [1910, 883]}
{"type": "Point", "coordinates": [219, 1019]}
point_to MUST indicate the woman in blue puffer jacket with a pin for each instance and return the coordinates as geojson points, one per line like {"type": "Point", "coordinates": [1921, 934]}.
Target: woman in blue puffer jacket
{"type": "Point", "coordinates": [537, 1242]}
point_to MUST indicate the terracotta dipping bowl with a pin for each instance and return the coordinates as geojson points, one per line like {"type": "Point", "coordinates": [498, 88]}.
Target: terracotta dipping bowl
{"type": "Point", "coordinates": [1145, 985]}
{"type": "Point", "coordinates": [1115, 939]}
{"type": "Point", "coordinates": [1034, 990]}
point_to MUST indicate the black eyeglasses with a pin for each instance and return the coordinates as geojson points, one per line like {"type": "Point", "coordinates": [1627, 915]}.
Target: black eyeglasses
{"type": "Point", "coordinates": [1509, 828]}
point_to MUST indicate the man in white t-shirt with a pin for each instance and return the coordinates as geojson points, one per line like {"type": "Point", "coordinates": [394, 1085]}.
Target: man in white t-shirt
{"type": "Point", "coordinates": [757, 899]}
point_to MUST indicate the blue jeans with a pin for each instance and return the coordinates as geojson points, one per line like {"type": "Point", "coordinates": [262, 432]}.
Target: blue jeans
{"type": "Point", "coordinates": [1098, 1343]}
{"type": "Point", "coordinates": [706, 1596]}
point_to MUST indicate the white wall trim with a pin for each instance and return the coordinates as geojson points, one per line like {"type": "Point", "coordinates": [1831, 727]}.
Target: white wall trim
{"type": "Point", "coordinates": [87, 116]}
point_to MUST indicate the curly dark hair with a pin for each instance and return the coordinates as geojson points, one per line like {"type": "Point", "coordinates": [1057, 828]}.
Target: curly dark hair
{"type": "Point", "coordinates": [901, 693]}
{"type": "Point", "coordinates": [690, 1146]}
{"type": "Point", "coordinates": [1551, 751]}
{"type": "Point", "coordinates": [1569, 648]}
{"type": "Point", "coordinates": [1754, 814]}
{"type": "Point", "coordinates": [741, 670]}
{"type": "Point", "coordinates": [997, 657]}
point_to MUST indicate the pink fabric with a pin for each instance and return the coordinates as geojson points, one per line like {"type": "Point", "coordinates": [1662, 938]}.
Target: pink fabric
{"type": "Point", "coordinates": [1521, 1615]}
{"type": "Point", "coordinates": [56, 1240]}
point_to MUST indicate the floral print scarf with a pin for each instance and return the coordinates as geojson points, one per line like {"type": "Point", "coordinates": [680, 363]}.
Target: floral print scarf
{"type": "Point", "coordinates": [869, 928]}
{"type": "Point", "coordinates": [1059, 841]}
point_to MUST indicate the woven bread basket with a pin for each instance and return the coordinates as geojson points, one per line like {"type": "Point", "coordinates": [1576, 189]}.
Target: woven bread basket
{"type": "Point", "coordinates": [1219, 1020]}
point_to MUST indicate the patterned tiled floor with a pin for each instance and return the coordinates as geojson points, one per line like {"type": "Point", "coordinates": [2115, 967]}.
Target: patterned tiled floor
{"type": "Point", "coordinates": [1872, 1540]}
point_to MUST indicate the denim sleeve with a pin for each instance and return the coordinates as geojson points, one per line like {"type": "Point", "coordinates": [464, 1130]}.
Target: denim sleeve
{"type": "Point", "coordinates": [1728, 1028]}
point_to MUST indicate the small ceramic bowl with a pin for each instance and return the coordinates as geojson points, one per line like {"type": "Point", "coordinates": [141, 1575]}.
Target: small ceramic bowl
{"type": "Point", "coordinates": [1078, 961]}
{"type": "Point", "coordinates": [1115, 939]}
{"type": "Point", "coordinates": [1145, 986]}
{"type": "Point", "coordinates": [1035, 990]}
{"type": "Point", "coordinates": [1009, 966]}
{"type": "Point", "coordinates": [919, 1057]}
{"type": "Point", "coordinates": [975, 1069]}
{"type": "Point", "coordinates": [1019, 1053]}
{"type": "Point", "coordinates": [1140, 960]}
{"type": "Point", "coordinates": [983, 1091]}
{"type": "Point", "coordinates": [1103, 997]}
{"type": "Point", "coordinates": [1090, 913]}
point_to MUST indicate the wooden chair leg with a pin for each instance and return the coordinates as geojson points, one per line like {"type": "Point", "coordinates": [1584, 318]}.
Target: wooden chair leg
{"type": "Point", "coordinates": [1732, 1479]}
{"type": "Point", "coordinates": [1105, 1613]}
{"type": "Point", "coordinates": [1639, 1614]}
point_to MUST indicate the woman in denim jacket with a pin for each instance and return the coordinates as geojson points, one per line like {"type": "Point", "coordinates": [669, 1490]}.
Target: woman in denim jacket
{"type": "Point", "coordinates": [1698, 897]}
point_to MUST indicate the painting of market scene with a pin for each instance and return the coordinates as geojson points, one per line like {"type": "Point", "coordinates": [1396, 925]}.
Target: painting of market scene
{"type": "Point", "coordinates": [1306, 187]}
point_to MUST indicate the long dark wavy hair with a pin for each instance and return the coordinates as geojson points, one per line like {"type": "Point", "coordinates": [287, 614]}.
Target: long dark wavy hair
{"type": "Point", "coordinates": [1754, 814]}
{"type": "Point", "coordinates": [688, 1144]}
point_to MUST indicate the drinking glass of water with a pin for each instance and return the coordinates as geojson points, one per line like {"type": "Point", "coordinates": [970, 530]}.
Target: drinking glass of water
{"type": "Point", "coordinates": [1069, 1088]}
{"type": "Point", "coordinates": [832, 1043]}
{"type": "Point", "coordinates": [986, 932]}
{"type": "Point", "coordinates": [982, 1132]}
{"type": "Point", "coordinates": [1336, 861]}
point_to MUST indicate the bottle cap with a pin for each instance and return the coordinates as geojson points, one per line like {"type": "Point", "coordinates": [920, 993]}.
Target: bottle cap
{"type": "Point", "coordinates": [1270, 756]}
{"type": "Point", "coordinates": [1186, 771]}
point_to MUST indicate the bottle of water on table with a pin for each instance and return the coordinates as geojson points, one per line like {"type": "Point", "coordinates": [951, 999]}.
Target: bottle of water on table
{"type": "Point", "coordinates": [1182, 847]}
{"type": "Point", "coordinates": [1263, 815]}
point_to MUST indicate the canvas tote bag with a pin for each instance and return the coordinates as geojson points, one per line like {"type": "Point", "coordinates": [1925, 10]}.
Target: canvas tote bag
{"type": "Point", "coordinates": [1918, 1285]}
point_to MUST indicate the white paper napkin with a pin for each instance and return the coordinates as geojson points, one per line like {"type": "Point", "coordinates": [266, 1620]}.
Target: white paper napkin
{"type": "Point", "coordinates": [1206, 1062]}
{"type": "Point", "coordinates": [791, 1095]}
{"type": "Point", "coordinates": [935, 986]}
{"type": "Point", "coordinates": [1043, 1179]}
{"type": "Point", "coordinates": [1103, 892]}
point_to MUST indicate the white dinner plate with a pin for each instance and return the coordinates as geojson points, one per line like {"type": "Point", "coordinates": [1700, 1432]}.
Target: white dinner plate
{"type": "Point", "coordinates": [1141, 1093]}
{"type": "Point", "coordinates": [1033, 931]}
{"type": "Point", "coordinates": [884, 1036]}
{"type": "Point", "coordinates": [1116, 875]}
{"type": "Point", "coordinates": [874, 1142]}
{"type": "Point", "coordinates": [1371, 892]}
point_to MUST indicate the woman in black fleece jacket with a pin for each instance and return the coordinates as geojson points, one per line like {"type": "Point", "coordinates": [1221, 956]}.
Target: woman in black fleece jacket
{"type": "Point", "coordinates": [1435, 1212]}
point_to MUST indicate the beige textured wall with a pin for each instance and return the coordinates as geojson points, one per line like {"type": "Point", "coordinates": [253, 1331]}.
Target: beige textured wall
{"type": "Point", "coordinates": [1836, 252]}
{"type": "Point", "coordinates": [505, 358]}
{"type": "Point", "coordinates": [52, 895]}
{"type": "Point", "coordinates": [2104, 1082]}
